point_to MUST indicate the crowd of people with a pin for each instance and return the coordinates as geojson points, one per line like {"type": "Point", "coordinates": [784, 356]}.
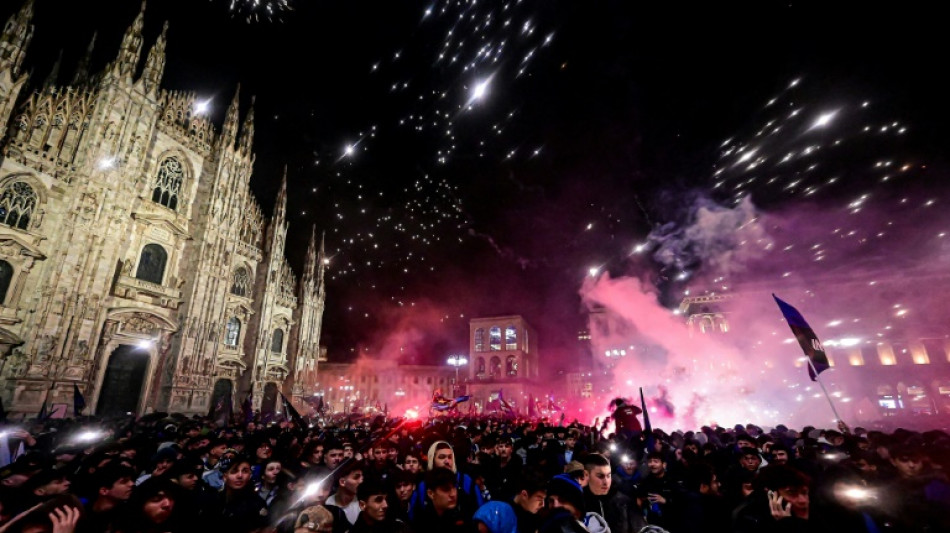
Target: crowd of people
{"type": "Point", "coordinates": [449, 474]}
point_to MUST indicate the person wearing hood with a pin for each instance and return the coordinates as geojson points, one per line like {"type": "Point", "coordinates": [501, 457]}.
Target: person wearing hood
{"type": "Point", "coordinates": [566, 501]}
{"type": "Point", "coordinates": [603, 498]}
{"type": "Point", "coordinates": [442, 455]}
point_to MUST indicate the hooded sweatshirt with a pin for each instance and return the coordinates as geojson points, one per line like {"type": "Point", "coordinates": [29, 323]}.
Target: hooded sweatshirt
{"type": "Point", "coordinates": [470, 497]}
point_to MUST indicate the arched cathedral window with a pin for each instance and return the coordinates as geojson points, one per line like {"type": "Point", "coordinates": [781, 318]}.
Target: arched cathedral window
{"type": "Point", "coordinates": [241, 283]}
{"type": "Point", "coordinates": [167, 185]}
{"type": "Point", "coordinates": [277, 343]}
{"type": "Point", "coordinates": [17, 204]}
{"type": "Point", "coordinates": [6, 276]}
{"type": "Point", "coordinates": [232, 332]}
{"type": "Point", "coordinates": [152, 264]}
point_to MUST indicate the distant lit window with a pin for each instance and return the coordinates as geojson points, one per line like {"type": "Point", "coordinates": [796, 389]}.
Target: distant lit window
{"type": "Point", "coordinates": [232, 332]}
{"type": "Point", "coordinates": [511, 338]}
{"type": "Point", "coordinates": [494, 338]}
{"type": "Point", "coordinates": [480, 340]}
{"type": "Point", "coordinates": [480, 367]}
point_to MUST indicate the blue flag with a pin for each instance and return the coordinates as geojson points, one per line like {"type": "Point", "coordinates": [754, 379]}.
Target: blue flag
{"type": "Point", "coordinates": [441, 403]}
{"type": "Point", "coordinates": [818, 360]}
{"type": "Point", "coordinates": [79, 403]}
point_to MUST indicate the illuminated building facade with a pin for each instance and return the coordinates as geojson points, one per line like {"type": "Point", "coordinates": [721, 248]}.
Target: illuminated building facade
{"type": "Point", "coordinates": [135, 262]}
{"type": "Point", "coordinates": [381, 384]}
{"type": "Point", "coordinates": [503, 362]}
{"type": "Point", "coordinates": [889, 376]}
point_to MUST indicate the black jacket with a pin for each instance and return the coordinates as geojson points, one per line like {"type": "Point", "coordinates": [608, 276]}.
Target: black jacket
{"type": "Point", "coordinates": [562, 521]}
{"type": "Point", "coordinates": [618, 510]}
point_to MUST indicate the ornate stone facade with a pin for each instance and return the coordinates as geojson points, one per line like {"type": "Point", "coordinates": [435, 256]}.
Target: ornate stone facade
{"type": "Point", "coordinates": [134, 260]}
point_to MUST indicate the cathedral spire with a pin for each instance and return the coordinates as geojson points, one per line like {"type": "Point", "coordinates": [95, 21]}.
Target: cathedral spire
{"type": "Point", "coordinates": [51, 80]}
{"type": "Point", "coordinates": [82, 70]}
{"type": "Point", "coordinates": [230, 128]}
{"type": "Point", "coordinates": [309, 266]}
{"type": "Point", "coordinates": [322, 262]}
{"type": "Point", "coordinates": [131, 49]}
{"type": "Point", "coordinates": [155, 63]}
{"type": "Point", "coordinates": [246, 141]}
{"type": "Point", "coordinates": [280, 208]}
{"type": "Point", "coordinates": [16, 38]}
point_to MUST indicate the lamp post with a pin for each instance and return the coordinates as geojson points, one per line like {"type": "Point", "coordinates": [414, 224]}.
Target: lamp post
{"type": "Point", "coordinates": [347, 391]}
{"type": "Point", "coordinates": [457, 361]}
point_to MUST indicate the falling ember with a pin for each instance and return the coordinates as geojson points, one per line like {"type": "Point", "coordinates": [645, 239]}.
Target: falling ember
{"type": "Point", "coordinates": [259, 10]}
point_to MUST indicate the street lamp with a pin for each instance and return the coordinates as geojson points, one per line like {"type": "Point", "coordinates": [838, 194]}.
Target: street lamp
{"type": "Point", "coordinates": [457, 361]}
{"type": "Point", "coordinates": [347, 391]}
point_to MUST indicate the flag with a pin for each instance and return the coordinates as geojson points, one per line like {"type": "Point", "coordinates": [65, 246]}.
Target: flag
{"type": "Point", "coordinates": [647, 428]}
{"type": "Point", "coordinates": [532, 406]}
{"type": "Point", "coordinates": [292, 411]}
{"type": "Point", "coordinates": [247, 407]}
{"type": "Point", "coordinates": [442, 403]}
{"type": "Point", "coordinates": [221, 409]}
{"type": "Point", "coordinates": [79, 403]}
{"type": "Point", "coordinates": [818, 360]}
{"type": "Point", "coordinates": [504, 403]}
{"type": "Point", "coordinates": [43, 415]}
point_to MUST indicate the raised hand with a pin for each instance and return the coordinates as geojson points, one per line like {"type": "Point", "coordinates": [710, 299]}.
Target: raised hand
{"type": "Point", "coordinates": [779, 507]}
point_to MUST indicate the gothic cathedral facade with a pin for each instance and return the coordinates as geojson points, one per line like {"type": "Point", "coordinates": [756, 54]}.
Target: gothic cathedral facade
{"type": "Point", "coordinates": [135, 263]}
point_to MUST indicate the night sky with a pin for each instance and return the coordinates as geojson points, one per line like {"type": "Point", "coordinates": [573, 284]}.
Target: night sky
{"type": "Point", "coordinates": [475, 158]}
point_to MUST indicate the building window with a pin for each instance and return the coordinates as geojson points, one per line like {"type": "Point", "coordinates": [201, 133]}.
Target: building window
{"type": "Point", "coordinates": [935, 349]}
{"type": "Point", "coordinates": [494, 338]}
{"type": "Point", "coordinates": [232, 332]}
{"type": "Point", "coordinates": [511, 366]}
{"type": "Point", "coordinates": [277, 342]}
{"type": "Point", "coordinates": [241, 283]}
{"type": "Point", "coordinates": [495, 369]}
{"type": "Point", "coordinates": [152, 264]}
{"type": "Point", "coordinates": [480, 368]}
{"type": "Point", "coordinates": [168, 183]}
{"type": "Point", "coordinates": [17, 204]}
{"type": "Point", "coordinates": [511, 338]}
{"type": "Point", "coordinates": [6, 276]}
{"type": "Point", "coordinates": [480, 340]}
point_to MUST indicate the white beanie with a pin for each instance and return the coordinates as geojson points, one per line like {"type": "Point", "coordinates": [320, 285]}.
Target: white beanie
{"type": "Point", "coordinates": [431, 455]}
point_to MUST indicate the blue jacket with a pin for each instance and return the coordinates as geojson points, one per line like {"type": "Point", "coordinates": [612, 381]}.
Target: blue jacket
{"type": "Point", "coordinates": [470, 497]}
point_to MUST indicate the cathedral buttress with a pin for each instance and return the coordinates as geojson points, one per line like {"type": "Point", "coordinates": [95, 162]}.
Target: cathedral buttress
{"type": "Point", "coordinates": [14, 41]}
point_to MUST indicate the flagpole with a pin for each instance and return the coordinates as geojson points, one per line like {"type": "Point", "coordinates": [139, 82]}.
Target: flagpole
{"type": "Point", "coordinates": [823, 389]}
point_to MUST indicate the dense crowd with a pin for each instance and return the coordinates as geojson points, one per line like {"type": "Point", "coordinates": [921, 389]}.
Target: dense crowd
{"type": "Point", "coordinates": [164, 473]}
